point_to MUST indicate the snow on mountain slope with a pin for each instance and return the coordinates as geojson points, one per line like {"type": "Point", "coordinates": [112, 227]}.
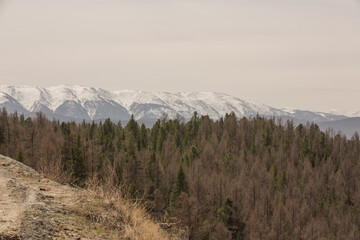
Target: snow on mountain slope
{"type": "Point", "coordinates": [215, 105]}
{"type": "Point", "coordinates": [79, 102]}
{"type": "Point", "coordinates": [11, 104]}
{"type": "Point", "coordinates": [151, 104]}
{"type": "Point", "coordinates": [25, 95]}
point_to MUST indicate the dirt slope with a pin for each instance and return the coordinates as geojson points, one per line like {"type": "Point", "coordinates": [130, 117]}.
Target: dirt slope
{"type": "Point", "coordinates": [32, 207]}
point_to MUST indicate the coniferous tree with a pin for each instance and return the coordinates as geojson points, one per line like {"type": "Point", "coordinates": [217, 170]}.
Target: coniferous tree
{"type": "Point", "coordinates": [133, 127]}
{"type": "Point", "coordinates": [180, 185]}
{"type": "Point", "coordinates": [78, 174]}
{"type": "Point", "coordinates": [143, 136]}
{"type": "Point", "coordinates": [150, 170]}
{"type": "Point", "coordinates": [107, 134]}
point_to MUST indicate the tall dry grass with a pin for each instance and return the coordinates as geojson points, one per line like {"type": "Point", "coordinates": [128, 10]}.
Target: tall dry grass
{"type": "Point", "coordinates": [105, 205]}
{"type": "Point", "coordinates": [130, 218]}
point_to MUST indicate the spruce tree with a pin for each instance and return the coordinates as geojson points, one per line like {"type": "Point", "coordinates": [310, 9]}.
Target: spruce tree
{"type": "Point", "coordinates": [107, 135]}
{"type": "Point", "coordinates": [150, 167]}
{"type": "Point", "coordinates": [180, 185]}
{"type": "Point", "coordinates": [143, 136]}
{"type": "Point", "coordinates": [78, 169]}
{"type": "Point", "coordinates": [133, 127]}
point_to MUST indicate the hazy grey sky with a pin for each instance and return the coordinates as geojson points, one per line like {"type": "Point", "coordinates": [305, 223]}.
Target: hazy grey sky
{"type": "Point", "coordinates": [284, 53]}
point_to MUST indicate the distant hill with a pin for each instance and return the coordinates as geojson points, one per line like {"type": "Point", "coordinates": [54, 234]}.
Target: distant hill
{"type": "Point", "coordinates": [347, 126]}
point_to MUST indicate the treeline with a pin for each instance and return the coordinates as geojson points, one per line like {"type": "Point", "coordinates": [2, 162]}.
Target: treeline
{"type": "Point", "coordinates": [227, 179]}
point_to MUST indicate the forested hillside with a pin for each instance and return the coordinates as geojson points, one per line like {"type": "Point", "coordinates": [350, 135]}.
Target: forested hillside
{"type": "Point", "coordinates": [227, 179]}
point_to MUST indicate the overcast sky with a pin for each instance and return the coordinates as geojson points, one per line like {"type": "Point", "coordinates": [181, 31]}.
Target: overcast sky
{"type": "Point", "coordinates": [285, 53]}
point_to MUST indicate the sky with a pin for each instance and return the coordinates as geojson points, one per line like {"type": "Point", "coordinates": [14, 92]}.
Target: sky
{"type": "Point", "coordinates": [302, 54]}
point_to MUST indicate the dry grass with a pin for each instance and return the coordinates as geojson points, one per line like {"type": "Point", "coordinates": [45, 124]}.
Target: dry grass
{"type": "Point", "coordinates": [111, 215]}
{"type": "Point", "coordinates": [53, 169]}
{"type": "Point", "coordinates": [103, 212]}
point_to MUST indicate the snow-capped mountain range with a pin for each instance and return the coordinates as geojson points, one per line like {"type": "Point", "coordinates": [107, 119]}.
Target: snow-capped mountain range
{"type": "Point", "coordinates": [79, 102]}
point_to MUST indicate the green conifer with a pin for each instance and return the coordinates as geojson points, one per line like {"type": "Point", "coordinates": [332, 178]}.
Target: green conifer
{"type": "Point", "coordinates": [78, 169]}
{"type": "Point", "coordinates": [180, 185]}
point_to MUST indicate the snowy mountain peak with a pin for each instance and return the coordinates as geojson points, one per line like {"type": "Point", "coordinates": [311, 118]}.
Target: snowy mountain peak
{"type": "Point", "coordinates": [80, 102]}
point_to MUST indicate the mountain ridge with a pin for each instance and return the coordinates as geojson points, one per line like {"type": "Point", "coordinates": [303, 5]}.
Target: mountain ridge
{"type": "Point", "coordinates": [80, 102]}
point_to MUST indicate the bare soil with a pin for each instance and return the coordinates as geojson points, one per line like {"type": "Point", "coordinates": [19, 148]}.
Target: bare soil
{"type": "Point", "coordinates": [32, 207]}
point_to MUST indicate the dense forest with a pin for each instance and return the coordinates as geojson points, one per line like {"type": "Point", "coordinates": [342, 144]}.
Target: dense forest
{"type": "Point", "coordinates": [227, 179]}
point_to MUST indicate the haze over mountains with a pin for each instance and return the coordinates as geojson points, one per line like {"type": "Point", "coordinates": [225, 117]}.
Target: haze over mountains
{"type": "Point", "coordinates": [78, 103]}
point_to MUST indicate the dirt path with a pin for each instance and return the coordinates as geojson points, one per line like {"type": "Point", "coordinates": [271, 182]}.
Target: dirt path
{"type": "Point", "coordinates": [32, 207]}
{"type": "Point", "coordinates": [14, 198]}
